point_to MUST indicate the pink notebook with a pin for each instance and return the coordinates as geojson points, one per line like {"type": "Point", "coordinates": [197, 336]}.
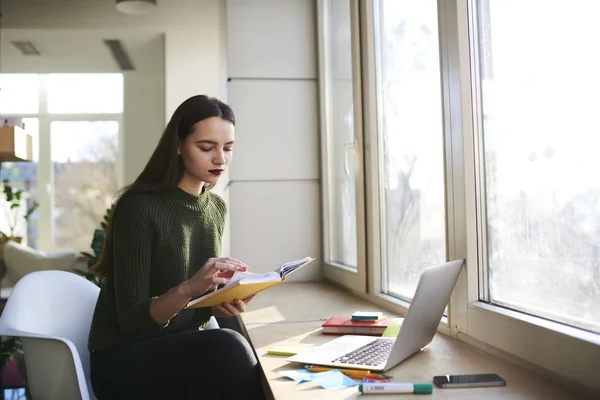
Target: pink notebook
{"type": "Point", "coordinates": [345, 326]}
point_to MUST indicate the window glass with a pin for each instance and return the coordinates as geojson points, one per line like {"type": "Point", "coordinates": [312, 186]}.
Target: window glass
{"type": "Point", "coordinates": [540, 150]}
{"type": "Point", "coordinates": [342, 173]}
{"type": "Point", "coordinates": [412, 180]}
{"type": "Point", "coordinates": [84, 156]}
{"type": "Point", "coordinates": [19, 94]}
{"type": "Point", "coordinates": [85, 93]}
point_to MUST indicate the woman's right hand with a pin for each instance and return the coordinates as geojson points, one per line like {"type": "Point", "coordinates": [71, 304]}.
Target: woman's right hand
{"type": "Point", "coordinates": [215, 271]}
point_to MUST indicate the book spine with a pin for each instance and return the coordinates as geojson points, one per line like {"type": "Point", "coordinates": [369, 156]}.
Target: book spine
{"type": "Point", "coordinates": [353, 331]}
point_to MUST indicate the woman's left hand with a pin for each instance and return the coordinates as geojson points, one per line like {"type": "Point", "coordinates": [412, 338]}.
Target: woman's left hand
{"type": "Point", "coordinates": [232, 309]}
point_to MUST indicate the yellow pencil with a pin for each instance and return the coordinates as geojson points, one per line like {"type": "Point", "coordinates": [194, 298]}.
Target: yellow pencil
{"type": "Point", "coordinates": [352, 373]}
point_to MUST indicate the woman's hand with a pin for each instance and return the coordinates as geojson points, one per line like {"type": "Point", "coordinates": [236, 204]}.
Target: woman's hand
{"type": "Point", "coordinates": [232, 309]}
{"type": "Point", "coordinates": [215, 271]}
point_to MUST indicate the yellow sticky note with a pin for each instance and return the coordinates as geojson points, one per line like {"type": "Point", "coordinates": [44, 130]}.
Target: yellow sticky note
{"type": "Point", "coordinates": [283, 351]}
{"type": "Point", "coordinates": [392, 330]}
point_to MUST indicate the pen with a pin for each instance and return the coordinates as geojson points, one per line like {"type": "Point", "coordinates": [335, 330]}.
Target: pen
{"type": "Point", "coordinates": [358, 374]}
{"type": "Point", "coordinates": [352, 373]}
{"type": "Point", "coordinates": [395, 387]}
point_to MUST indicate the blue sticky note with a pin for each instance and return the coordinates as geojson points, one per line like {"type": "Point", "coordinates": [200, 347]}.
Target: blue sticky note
{"type": "Point", "coordinates": [299, 375]}
{"type": "Point", "coordinates": [333, 380]}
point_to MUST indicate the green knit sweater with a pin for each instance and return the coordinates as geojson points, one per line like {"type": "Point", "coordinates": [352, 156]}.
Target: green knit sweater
{"type": "Point", "coordinates": [159, 240]}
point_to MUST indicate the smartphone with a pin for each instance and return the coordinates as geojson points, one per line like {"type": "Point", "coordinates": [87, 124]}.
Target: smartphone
{"type": "Point", "coordinates": [471, 380]}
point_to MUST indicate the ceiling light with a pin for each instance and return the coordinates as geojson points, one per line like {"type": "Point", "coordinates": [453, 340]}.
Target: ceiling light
{"type": "Point", "coordinates": [136, 7]}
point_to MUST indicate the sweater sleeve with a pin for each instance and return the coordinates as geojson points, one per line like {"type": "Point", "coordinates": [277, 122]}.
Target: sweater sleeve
{"type": "Point", "coordinates": [132, 241]}
{"type": "Point", "coordinates": [202, 315]}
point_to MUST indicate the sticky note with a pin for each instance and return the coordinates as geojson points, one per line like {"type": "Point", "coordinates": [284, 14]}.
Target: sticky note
{"type": "Point", "coordinates": [299, 375]}
{"type": "Point", "coordinates": [333, 380]}
{"type": "Point", "coordinates": [283, 351]}
{"type": "Point", "coordinates": [392, 330]}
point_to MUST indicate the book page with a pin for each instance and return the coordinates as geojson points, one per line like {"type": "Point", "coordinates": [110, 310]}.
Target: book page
{"type": "Point", "coordinates": [268, 277]}
{"type": "Point", "coordinates": [247, 277]}
{"type": "Point", "coordinates": [291, 266]}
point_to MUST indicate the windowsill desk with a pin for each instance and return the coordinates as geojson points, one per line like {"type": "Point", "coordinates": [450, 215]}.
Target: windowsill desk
{"type": "Point", "coordinates": [292, 314]}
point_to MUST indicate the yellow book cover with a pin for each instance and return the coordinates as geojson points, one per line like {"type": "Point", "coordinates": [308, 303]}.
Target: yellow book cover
{"type": "Point", "coordinates": [246, 284]}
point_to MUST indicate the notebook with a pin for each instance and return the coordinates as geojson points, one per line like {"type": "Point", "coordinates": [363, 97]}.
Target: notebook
{"type": "Point", "coordinates": [245, 284]}
{"type": "Point", "coordinates": [344, 325]}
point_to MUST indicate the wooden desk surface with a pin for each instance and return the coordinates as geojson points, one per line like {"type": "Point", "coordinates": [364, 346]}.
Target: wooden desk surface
{"type": "Point", "coordinates": [291, 314]}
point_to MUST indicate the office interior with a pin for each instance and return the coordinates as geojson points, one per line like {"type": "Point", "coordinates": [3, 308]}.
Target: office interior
{"type": "Point", "coordinates": [378, 136]}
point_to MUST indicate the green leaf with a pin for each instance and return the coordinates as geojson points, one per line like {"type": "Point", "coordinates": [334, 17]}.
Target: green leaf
{"type": "Point", "coordinates": [87, 255]}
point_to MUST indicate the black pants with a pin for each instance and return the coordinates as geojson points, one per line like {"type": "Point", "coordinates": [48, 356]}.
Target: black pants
{"type": "Point", "coordinates": [211, 364]}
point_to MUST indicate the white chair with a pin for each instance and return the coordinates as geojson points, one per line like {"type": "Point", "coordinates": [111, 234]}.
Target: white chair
{"type": "Point", "coordinates": [212, 324]}
{"type": "Point", "coordinates": [52, 312]}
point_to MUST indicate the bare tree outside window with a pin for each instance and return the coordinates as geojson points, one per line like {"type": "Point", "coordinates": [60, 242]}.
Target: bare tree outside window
{"type": "Point", "coordinates": [86, 178]}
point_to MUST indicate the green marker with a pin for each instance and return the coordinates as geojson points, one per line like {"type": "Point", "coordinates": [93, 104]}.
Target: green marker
{"type": "Point", "coordinates": [395, 387]}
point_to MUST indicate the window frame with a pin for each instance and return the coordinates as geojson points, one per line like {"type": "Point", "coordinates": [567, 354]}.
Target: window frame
{"type": "Point", "coordinates": [347, 277]}
{"type": "Point", "coordinates": [45, 171]}
{"type": "Point", "coordinates": [553, 349]}
{"type": "Point", "coordinates": [375, 196]}
{"type": "Point", "coordinates": [569, 352]}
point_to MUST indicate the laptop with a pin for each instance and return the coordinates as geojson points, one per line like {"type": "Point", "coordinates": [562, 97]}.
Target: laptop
{"type": "Point", "coordinates": [418, 328]}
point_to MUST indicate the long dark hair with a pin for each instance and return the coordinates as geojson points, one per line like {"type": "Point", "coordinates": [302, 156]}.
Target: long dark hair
{"type": "Point", "coordinates": [165, 168]}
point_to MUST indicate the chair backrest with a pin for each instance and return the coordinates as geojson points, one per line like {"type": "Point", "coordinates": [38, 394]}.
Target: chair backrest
{"type": "Point", "coordinates": [53, 303]}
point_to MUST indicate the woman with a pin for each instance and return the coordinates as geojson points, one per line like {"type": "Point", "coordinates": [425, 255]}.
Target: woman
{"type": "Point", "coordinates": [161, 250]}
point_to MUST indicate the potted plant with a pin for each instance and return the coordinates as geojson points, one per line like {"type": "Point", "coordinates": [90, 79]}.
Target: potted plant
{"type": "Point", "coordinates": [14, 198]}
{"type": "Point", "coordinates": [8, 347]}
{"type": "Point", "coordinates": [97, 245]}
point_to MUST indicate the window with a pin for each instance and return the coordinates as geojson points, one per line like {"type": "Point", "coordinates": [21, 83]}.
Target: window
{"type": "Point", "coordinates": [480, 141]}
{"type": "Point", "coordinates": [74, 120]}
{"type": "Point", "coordinates": [85, 93]}
{"type": "Point", "coordinates": [19, 94]}
{"type": "Point", "coordinates": [343, 188]}
{"type": "Point", "coordinates": [84, 155]}
{"type": "Point", "coordinates": [411, 178]}
{"type": "Point", "coordinates": [342, 177]}
{"type": "Point", "coordinates": [539, 144]}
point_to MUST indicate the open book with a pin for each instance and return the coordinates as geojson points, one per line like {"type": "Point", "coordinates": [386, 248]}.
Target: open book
{"type": "Point", "coordinates": [245, 284]}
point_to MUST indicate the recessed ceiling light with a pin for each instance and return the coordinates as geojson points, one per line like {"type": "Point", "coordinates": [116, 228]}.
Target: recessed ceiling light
{"type": "Point", "coordinates": [136, 7]}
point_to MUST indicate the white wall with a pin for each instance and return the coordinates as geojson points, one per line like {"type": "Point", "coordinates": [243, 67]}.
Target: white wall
{"type": "Point", "coordinates": [192, 62]}
{"type": "Point", "coordinates": [274, 187]}
{"type": "Point", "coordinates": [143, 107]}
{"type": "Point", "coordinates": [195, 63]}
{"type": "Point", "coordinates": [195, 59]}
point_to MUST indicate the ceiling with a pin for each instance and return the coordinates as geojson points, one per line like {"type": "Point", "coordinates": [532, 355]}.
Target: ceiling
{"type": "Point", "coordinates": [70, 33]}
{"type": "Point", "coordinates": [69, 50]}
{"type": "Point", "coordinates": [96, 14]}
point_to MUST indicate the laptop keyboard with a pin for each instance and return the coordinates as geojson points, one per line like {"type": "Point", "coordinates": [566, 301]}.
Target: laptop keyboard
{"type": "Point", "coordinates": [373, 353]}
